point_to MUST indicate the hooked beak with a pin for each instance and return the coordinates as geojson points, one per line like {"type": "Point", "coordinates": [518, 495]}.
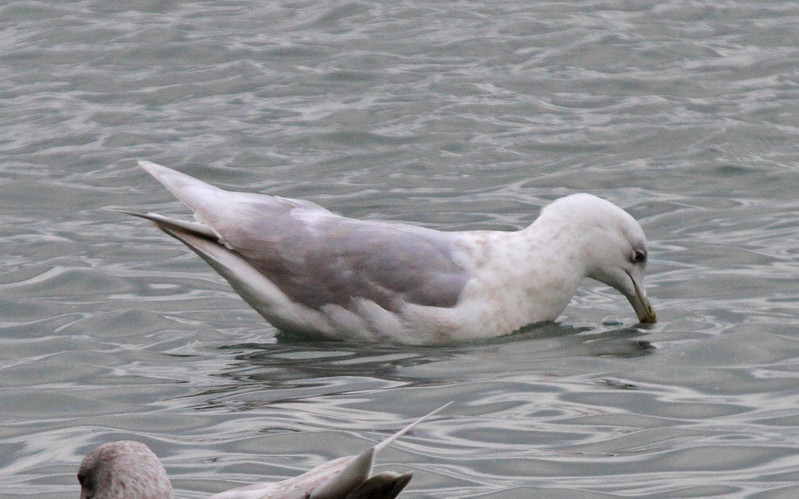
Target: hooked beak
{"type": "Point", "coordinates": [641, 304]}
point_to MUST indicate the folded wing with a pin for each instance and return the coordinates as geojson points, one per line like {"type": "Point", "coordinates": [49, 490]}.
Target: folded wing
{"type": "Point", "coordinates": [314, 256]}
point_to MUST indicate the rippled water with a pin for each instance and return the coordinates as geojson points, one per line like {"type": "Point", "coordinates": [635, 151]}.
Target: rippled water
{"type": "Point", "coordinates": [453, 115]}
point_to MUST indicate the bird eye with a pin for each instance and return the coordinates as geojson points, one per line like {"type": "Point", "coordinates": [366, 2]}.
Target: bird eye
{"type": "Point", "coordinates": [638, 256]}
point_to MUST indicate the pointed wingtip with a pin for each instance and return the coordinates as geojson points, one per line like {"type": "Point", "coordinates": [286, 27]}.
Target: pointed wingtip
{"type": "Point", "coordinates": [148, 164]}
{"type": "Point", "coordinates": [348, 479]}
{"type": "Point", "coordinates": [195, 193]}
{"type": "Point", "coordinates": [154, 169]}
{"type": "Point", "coordinates": [388, 441]}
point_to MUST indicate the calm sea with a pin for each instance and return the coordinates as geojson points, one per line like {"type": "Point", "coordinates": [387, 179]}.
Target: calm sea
{"type": "Point", "coordinates": [448, 114]}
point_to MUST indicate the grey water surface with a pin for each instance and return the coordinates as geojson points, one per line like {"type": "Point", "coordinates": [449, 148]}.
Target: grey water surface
{"type": "Point", "coordinates": [448, 114]}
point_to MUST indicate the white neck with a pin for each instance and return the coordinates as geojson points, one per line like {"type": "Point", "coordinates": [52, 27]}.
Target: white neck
{"type": "Point", "coordinates": [530, 275]}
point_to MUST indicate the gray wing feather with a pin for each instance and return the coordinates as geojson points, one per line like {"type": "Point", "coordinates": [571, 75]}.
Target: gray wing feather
{"type": "Point", "coordinates": [319, 258]}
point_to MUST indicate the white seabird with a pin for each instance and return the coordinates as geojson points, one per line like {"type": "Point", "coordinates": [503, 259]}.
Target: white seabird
{"type": "Point", "coordinates": [308, 270]}
{"type": "Point", "coordinates": [128, 469]}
